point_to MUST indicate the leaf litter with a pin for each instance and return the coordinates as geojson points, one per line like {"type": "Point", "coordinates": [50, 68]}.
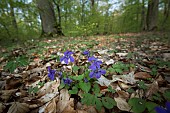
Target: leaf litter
{"type": "Point", "coordinates": [142, 71]}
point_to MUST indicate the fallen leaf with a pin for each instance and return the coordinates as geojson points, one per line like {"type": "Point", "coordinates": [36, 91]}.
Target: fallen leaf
{"type": "Point", "coordinates": [152, 89]}
{"type": "Point", "coordinates": [6, 94]}
{"type": "Point", "coordinates": [166, 56]}
{"type": "Point", "coordinates": [2, 84]}
{"type": "Point", "coordinates": [2, 107]}
{"type": "Point", "coordinates": [64, 101]}
{"type": "Point", "coordinates": [122, 104]}
{"type": "Point", "coordinates": [122, 54]}
{"type": "Point", "coordinates": [142, 75]}
{"type": "Point", "coordinates": [123, 85]}
{"type": "Point", "coordinates": [108, 62]}
{"type": "Point", "coordinates": [13, 83]}
{"type": "Point", "coordinates": [47, 97]}
{"type": "Point", "coordinates": [49, 87]}
{"type": "Point", "coordinates": [104, 81]}
{"type": "Point", "coordinates": [49, 107]}
{"type": "Point", "coordinates": [17, 107]}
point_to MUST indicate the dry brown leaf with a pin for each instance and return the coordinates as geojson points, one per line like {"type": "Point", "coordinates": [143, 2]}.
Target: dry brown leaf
{"type": "Point", "coordinates": [49, 87]}
{"type": "Point", "coordinates": [2, 84]}
{"type": "Point", "coordinates": [64, 101]}
{"type": "Point", "coordinates": [17, 107]}
{"type": "Point", "coordinates": [69, 109]}
{"type": "Point", "coordinates": [51, 108]}
{"type": "Point", "coordinates": [123, 94]}
{"type": "Point", "coordinates": [123, 85]}
{"type": "Point", "coordinates": [152, 89]}
{"type": "Point", "coordinates": [166, 56]}
{"type": "Point", "coordinates": [2, 107]}
{"type": "Point", "coordinates": [47, 97]}
{"type": "Point", "coordinates": [142, 75]}
{"type": "Point", "coordinates": [81, 111]}
{"type": "Point", "coordinates": [13, 83]}
{"type": "Point", "coordinates": [122, 54]}
{"type": "Point", "coordinates": [6, 94]}
{"type": "Point", "coordinates": [122, 104]}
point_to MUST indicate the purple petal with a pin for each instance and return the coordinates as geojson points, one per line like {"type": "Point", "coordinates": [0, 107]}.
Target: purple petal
{"type": "Point", "coordinates": [91, 58]}
{"type": "Point", "coordinates": [66, 60]}
{"type": "Point", "coordinates": [98, 62]}
{"type": "Point", "coordinates": [68, 53]}
{"type": "Point", "coordinates": [92, 67]}
{"type": "Point", "coordinates": [71, 59]}
{"type": "Point", "coordinates": [160, 110]}
{"type": "Point", "coordinates": [49, 68]}
{"type": "Point", "coordinates": [168, 106]}
{"type": "Point", "coordinates": [62, 58]}
{"type": "Point", "coordinates": [91, 74]}
{"type": "Point", "coordinates": [102, 71]}
{"type": "Point", "coordinates": [98, 75]}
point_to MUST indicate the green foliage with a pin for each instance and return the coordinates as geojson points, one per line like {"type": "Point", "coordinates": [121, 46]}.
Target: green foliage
{"type": "Point", "coordinates": [157, 97]}
{"type": "Point", "coordinates": [85, 86]}
{"type": "Point", "coordinates": [34, 90]}
{"type": "Point", "coordinates": [90, 99]}
{"type": "Point", "coordinates": [150, 106]}
{"type": "Point", "coordinates": [119, 67]}
{"type": "Point", "coordinates": [142, 85]}
{"type": "Point", "coordinates": [137, 103]}
{"type": "Point", "coordinates": [108, 102]}
{"type": "Point", "coordinates": [74, 90]}
{"type": "Point", "coordinates": [111, 90]}
{"type": "Point", "coordinates": [16, 62]}
{"type": "Point", "coordinates": [166, 95]}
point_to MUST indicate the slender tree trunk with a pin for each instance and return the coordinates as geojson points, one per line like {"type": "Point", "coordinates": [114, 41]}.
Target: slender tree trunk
{"type": "Point", "coordinates": [152, 15]}
{"type": "Point", "coordinates": [143, 17]}
{"type": "Point", "coordinates": [14, 22]}
{"type": "Point", "coordinates": [82, 12]}
{"type": "Point", "coordinates": [48, 19]}
{"type": "Point", "coordinates": [166, 11]}
{"type": "Point", "coordinates": [59, 28]}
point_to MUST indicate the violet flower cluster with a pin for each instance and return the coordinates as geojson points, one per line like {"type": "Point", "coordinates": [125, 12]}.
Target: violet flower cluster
{"type": "Point", "coordinates": [96, 71]}
{"type": "Point", "coordinates": [163, 110]}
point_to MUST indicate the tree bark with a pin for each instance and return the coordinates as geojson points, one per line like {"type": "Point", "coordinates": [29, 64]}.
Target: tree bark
{"type": "Point", "coordinates": [59, 28]}
{"type": "Point", "coordinates": [152, 15]}
{"type": "Point", "coordinates": [143, 17]}
{"type": "Point", "coordinates": [14, 22]}
{"type": "Point", "coordinates": [166, 11]}
{"type": "Point", "coordinates": [47, 16]}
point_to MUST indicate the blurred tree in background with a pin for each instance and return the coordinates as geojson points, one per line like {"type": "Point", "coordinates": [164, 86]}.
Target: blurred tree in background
{"type": "Point", "coordinates": [27, 19]}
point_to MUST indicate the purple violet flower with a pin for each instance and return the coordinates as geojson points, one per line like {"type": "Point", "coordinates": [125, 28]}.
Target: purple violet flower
{"type": "Point", "coordinates": [95, 63]}
{"type": "Point", "coordinates": [159, 109]}
{"type": "Point", "coordinates": [67, 57]}
{"type": "Point", "coordinates": [67, 81]}
{"type": "Point", "coordinates": [87, 53]}
{"type": "Point", "coordinates": [51, 73]}
{"type": "Point", "coordinates": [59, 74]}
{"type": "Point", "coordinates": [97, 73]}
{"type": "Point", "coordinates": [85, 80]}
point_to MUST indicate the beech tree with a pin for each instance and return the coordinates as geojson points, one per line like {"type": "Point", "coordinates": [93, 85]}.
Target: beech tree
{"type": "Point", "coordinates": [48, 18]}
{"type": "Point", "coordinates": [152, 15]}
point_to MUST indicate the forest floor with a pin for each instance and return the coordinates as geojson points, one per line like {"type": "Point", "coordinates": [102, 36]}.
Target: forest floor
{"type": "Point", "coordinates": [137, 77]}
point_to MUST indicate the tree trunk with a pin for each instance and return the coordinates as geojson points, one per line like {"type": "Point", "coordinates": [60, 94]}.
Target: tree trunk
{"type": "Point", "coordinates": [59, 28]}
{"type": "Point", "coordinates": [48, 19]}
{"type": "Point", "coordinates": [14, 22]}
{"type": "Point", "coordinates": [143, 17]}
{"type": "Point", "coordinates": [152, 15]}
{"type": "Point", "coordinates": [166, 11]}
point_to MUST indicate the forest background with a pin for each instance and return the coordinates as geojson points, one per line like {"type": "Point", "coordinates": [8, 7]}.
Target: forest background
{"type": "Point", "coordinates": [29, 19]}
